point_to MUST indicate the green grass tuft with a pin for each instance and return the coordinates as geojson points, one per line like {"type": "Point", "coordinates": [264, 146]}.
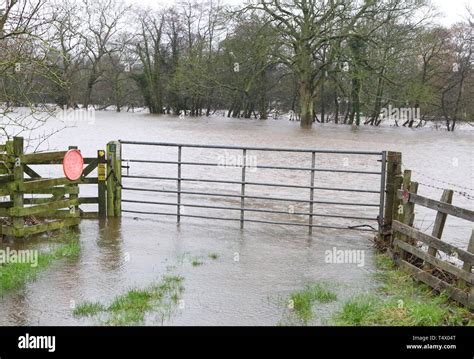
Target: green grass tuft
{"type": "Point", "coordinates": [131, 307]}
{"type": "Point", "coordinates": [134, 300]}
{"type": "Point", "coordinates": [196, 262]}
{"type": "Point", "coordinates": [303, 301]}
{"type": "Point", "coordinates": [356, 311]}
{"type": "Point", "coordinates": [88, 309]}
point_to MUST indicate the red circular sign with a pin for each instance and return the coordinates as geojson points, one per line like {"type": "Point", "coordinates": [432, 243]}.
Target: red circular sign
{"type": "Point", "coordinates": [406, 197]}
{"type": "Point", "coordinates": [73, 164]}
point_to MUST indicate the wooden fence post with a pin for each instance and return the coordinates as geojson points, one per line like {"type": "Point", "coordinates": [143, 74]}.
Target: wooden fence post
{"type": "Point", "coordinates": [439, 223]}
{"type": "Point", "coordinates": [102, 186]}
{"type": "Point", "coordinates": [467, 267]}
{"type": "Point", "coordinates": [406, 181]}
{"type": "Point", "coordinates": [407, 215]}
{"type": "Point", "coordinates": [393, 178]}
{"type": "Point", "coordinates": [114, 179]}
{"type": "Point", "coordinates": [18, 175]}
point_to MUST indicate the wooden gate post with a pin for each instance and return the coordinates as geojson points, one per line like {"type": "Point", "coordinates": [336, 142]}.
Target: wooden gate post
{"type": "Point", "coordinates": [114, 179]}
{"type": "Point", "coordinates": [101, 183]}
{"type": "Point", "coordinates": [18, 175]}
{"type": "Point", "coordinates": [74, 210]}
{"type": "Point", "coordinates": [394, 180]}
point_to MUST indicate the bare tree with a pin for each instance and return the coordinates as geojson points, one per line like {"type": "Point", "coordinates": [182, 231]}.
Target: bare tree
{"type": "Point", "coordinates": [103, 27]}
{"type": "Point", "coordinates": [24, 67]}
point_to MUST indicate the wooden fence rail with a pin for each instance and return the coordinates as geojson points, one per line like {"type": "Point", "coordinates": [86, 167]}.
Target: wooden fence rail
{"type": "Point", "coordinates": [417, 252]}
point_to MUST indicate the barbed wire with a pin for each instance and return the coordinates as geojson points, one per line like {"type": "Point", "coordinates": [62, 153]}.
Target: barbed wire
{"type": "Point", "coordinates": [443, 182]}
{"type": "Point", "coordinates": [466, 193]}
{"type": "Point", "coordinates": [463, 194]}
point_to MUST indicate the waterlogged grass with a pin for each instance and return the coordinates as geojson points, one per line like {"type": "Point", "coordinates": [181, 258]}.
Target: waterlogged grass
{"type": "Point", "coordinates": [199, 261]}
{"type": "Point", "coordinates": [302, 302]}
{"type": "Point", "coordinates": [131, 307]}
{"type": "Point", "coordinates": [196, 262]}
{"type": "Point", "coordinates": [88, 309]}
{"type": "Point", "coordinates": [15, 275]}
{"type": "Point", "coordinates": [400, 301]}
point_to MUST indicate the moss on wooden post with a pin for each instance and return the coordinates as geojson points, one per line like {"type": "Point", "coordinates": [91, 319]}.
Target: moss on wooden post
{"type": "Point", "coordinates": [114, 179]}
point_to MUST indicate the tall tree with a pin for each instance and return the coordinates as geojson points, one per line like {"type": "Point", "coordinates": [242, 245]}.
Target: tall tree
{"type": "Point", "coordinates": [151, 54]}
{"type": "Point", "coordinates": [305, 26]}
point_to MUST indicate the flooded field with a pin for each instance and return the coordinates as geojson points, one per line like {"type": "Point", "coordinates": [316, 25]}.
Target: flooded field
{"type": "Point", "coordinates": [251, 289]}
{"type": "Point", "coordinates": [243, 277]}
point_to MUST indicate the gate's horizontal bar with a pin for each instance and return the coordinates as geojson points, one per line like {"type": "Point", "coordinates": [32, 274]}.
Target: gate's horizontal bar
{"type": "Point", "coordinates": [306, 150]}
{"type": "Point", "coordinates": [249, 197]}
{"type": "Point", "coordinates": [247, 209]}
{"type": "Point", "coordinates": [250, 183]}
{"type": "Point", "coordinates": [247, 220]}
{"type": "Point", "coordinates": [209, 164]}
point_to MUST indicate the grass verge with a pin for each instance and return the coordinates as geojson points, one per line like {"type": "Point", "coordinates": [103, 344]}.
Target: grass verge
{"type": "Point", "coordinates": [400, 301]}
{"type": "Point", "coordinates": [130, 308]}
{"type": "Point", "coordinates": [15, 275]}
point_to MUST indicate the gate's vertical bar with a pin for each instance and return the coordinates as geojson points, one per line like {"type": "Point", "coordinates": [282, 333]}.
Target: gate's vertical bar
{"type": "Point", "coordinates": [178, 210]}
{"type": "Point", "coordinates": [101, 187]}
{"type": "Point", "coordinates": [18, 197]}
{"type": "Point", "coordinates": [242, 189]}
{"type": "Point", "coordinates": [311, 192]}
{"type": "Point", "coordinates": [382, 190]}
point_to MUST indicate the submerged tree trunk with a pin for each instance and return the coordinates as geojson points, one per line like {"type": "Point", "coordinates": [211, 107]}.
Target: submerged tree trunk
{"type": "Point", "coordinates": [306, 104]}
{"type": "Point", "coordinates": [378, 100]}
{"type": "Point", "coordinates": [355, 100]}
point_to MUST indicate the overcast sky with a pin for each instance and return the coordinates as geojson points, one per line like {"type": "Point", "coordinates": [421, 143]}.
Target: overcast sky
{"type": "Point", "coordinates": [451, 10]}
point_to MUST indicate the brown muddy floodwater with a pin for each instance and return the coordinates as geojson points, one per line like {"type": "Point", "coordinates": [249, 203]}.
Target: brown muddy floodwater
{"type": "Point", "coordinates": [258, 267]}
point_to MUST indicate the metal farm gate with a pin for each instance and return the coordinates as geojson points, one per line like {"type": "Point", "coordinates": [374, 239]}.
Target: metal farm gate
{"type": "Point", "coordinates": [313, 188]}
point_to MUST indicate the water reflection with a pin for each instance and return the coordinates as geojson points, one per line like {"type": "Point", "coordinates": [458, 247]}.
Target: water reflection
{"type": "Point", "coordinates": [109, 243]}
